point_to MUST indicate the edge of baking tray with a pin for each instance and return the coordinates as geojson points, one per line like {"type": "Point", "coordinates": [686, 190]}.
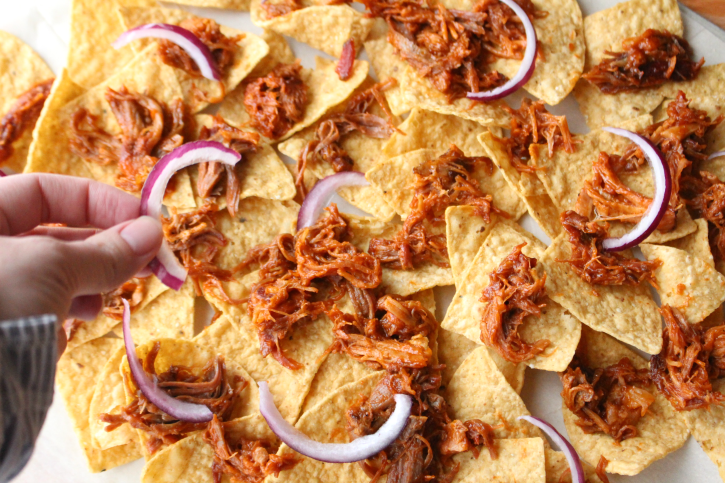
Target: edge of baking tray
{"type": "Point", "coordinates": [716, 30]}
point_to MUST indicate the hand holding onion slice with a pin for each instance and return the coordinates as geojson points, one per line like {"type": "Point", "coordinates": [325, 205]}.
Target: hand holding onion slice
{"type": "Point", "coordinates": [360, 449]}
{"type": "Point", "coordinates": [663, 189]}
{"type": "Point", "coordinates": [181, 410]}
{"type": "Point", "coordinates": [189, 42]}
{"type": "Point", "coordinates": [577, 471]}
{"type": "Point", "coordinates": [166, 266]}
{"type": "Point", "coordinates": [321, 194]}
{"type": "Point", "coordinates": [528, 63]}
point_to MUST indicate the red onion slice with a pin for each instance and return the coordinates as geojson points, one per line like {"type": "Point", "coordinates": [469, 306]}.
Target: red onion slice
{"type": "Point", "coordinates": [528, 63]}
{"type": "Point", "coordinates": [663, 189]}
{"type": "Point", "coordinates": [181, 410]}
{"type": "Point", "coordinates": [577, 471]}
{"type": "Point", "coordinates": [166, 266]}
{"type": "Point", "coordinates": [321, 194]}
{"type": "Point", "coordinates": [191, 44]}
{"type": "Point", "coordinates": [357, 450]}
{"type": "Point", "coordinates": [2, 173]}
{"type": "Point", "coordinates": [347, 59]}
{"type": "Point", "coordinates": [716, 155]}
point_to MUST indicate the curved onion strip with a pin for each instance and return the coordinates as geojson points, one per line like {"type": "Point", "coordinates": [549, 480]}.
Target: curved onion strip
{"type": "Point", "coordinates": [166, 266]}
{"type": "Point", "coordinates": [577, 471]}
{"type": "Point", "coordinates": [716, 155]}
{"type": "Point", "coordinates": [357, 450]}
{"type": "Point", "coordinates": [191, 44]}
{"type": "Point", "coordinates": [321, 194]}
{"type": "Point", "coordinates": [528, 63]}
{"type": "Point", "coordinates": [2, 173]}
{"type": "Point", "coordinates": [181, 410]}
{"type": "Point", "coordinates": [663, 189]}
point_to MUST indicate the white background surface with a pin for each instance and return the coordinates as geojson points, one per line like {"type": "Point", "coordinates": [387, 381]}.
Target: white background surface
{"type": "Point", "coordinates": [45, 26]}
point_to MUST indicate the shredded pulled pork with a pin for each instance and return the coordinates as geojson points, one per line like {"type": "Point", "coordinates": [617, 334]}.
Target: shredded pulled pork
{"type": "Point", "coordinates": [514, 292]}
{"type": "Point", "coordinates": [210, 386]}
{"type": "Point", "coordinates": [437, 184]}
{"type": "Point", "coordinates": [648, 60]}
{"type": "Point", "coordinates": [532, 124]}
{"type": "Point", "coordinates": [424, 450]}
{"type": "Point", "coordinates": [132, 291]}
{"type": "Point", "coordinates": [611, 400]}
{"type": "Point", "coordinates": [453, 48]}
{"type": "Point", "coordinates": [193, 237]}
{"type": "Point", "coordinates": [597, 266]}
{"type": "Point", "coordinates": [149, 130]}
{"type": "Point", "coordinates": [396, 338]}
{"type": "Point", "coordinates": [277, 101]}
{"type": "Point", "coordinates": [692, 356]}
{"type": "Point", "coordinates": [222, 48]}
{"type": "Point", "coordinates": [325, 146]}
{"type": "Point", "coordinates": [244, 460]}
{"type": "Point", "coordinates": [211, 173]}
{"type": "Point", "coordinates": [292, 269]}
{"type": "Point", "coordinates": [601, 470]}
{"type": "Point", "coordinates": [709, 203]}
{"type": "Point", "coordinates": [23, 114]}
{"type": "Point", "coordinates": [280, 7]}
{"type": "Point", "coordinates": [347, 59]}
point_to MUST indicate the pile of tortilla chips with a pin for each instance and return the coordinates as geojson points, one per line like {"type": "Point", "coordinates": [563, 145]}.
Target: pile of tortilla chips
{"type": "Point", "coordinates": [478, 382]}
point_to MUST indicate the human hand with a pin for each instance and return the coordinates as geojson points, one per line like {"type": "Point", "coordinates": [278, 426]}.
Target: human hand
{"type": "Point", "coordinates": [63, 271]}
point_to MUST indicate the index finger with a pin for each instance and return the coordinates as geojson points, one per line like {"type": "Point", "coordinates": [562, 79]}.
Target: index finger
{"type": "Point", "coordinates": [29, 200]}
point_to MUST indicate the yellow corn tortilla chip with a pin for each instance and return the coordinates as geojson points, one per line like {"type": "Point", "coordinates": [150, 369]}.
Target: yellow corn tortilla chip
{"type": "Point", "coordinates": [76, 377]}
{"type": "Point", "coordinates": [465, 233]}
{"type": "Point", "coordinates": [519, 461]}
{"type": "Point", "coordinates": [466, 310]}
{"type": "Point", "coordinates": [660, 432]}
{"type": "Point", "coordinates": [557, 467]}
{"type": "Point", "coordinates": [627, 313]}
{"type": "Point", "coordinates": [241, 5]}
{"type": "Point", "coordinates": [707, 428]}
{"type": "Point", "coordinates": [696, 244]}
{"type": "Point", "coordinates": [605, 31]}
{"type": "Point", "coordinates": [324, 91]}
{"type": "Point", "coordinates": [324, 27]}
{"type": "Point", "coordinates": [194, 355]}
{"type": "Point", "coordinates": [686, 282]}
{"type": "Point", "coordinates": [190, 460]}
{"type": "Point", "coordinates": [706, 86]}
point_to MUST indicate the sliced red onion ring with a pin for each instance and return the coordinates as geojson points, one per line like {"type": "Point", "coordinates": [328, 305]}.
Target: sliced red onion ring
{"type": "Point", "coordinates": [577, 471]}
{"type": "Point", "coordinates": [663, 189]}
{"type": "Point", "coordinates": [716, 155]}
{"type": "Point", "coordinates": [360, 449]}
{"type": "Point", "coordinates": [319, 197]}
{"type": "Point", "coordinates": [166, 266]}
{"type": "Point", "coordinates": [181, 410]}
{"type": "Point", "coordinates": [191, 44]}
{"type": "Point", "coordinates": [528, 63]}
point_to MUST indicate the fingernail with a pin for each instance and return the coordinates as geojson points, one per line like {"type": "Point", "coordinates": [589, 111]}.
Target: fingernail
{"type": "Point", "coordinates": [142, 235]}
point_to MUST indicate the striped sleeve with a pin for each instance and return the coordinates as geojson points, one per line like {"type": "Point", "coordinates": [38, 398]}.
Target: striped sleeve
{"type": "Point", "coordinates": [28, 353]}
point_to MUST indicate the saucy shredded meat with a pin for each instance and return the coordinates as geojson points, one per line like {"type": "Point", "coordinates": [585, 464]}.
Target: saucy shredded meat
{"type": "Point", "coordinates": [424, 450]}
{"type": "Point", "coordinates": [648, 60]}
{"type": "Point", "coordinates": [396, 338]}
{"type": "Point", "coordinates": [601, 470]}
{"type": "Point", "coordinates": [277, 101]}
{"type": "Point", "coordinates": [597, 266]}
{"type": "Point", "coordinates": [347, 59]}
{"type": "Point", "coordinates": [133, 291]}
{"type": "Point", "coordinates": [325, 146]}
{"type": "Point", "coordinates": [210, 386]}
{"type": "Point", "coordinates": [608, 400]}
{"type": "Point", "coordinates": [22, 115]}
{"type": "Point", "coordinates": [454, 48]}
{"type": "Point", "coordinates": [222, 48]}
{"type": "Point", "coordinates": [709, 203]}
{"type": "Point", "coordinates": [149, 130]}
{"type": "Point", "coordinates": [292, 268]}
{"type": "Point", "coordinates": [533, 124]}
{"type": "Point", "coordinates": [280, 7]}
{"type": "Point", "coordinates": [437, 184]}
{"type": "Point", "coordinates": [514, 292]}
{"type": "Point", "coordinates": [691, 357]}
{"type": "Point", "coordinates": [244, 460]}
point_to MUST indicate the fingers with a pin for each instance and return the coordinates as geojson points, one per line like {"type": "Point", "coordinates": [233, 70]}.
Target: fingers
{"type": "Point", "coordinates": [86, 307]}
{"type": "Point", "coordinates": [28, 200]}
{"type": "Point", "coordinates": [63, 233]}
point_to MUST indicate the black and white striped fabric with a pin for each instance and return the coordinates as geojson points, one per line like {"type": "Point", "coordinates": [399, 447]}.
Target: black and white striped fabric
{"type": "Point", "coordinates": [28, 353]}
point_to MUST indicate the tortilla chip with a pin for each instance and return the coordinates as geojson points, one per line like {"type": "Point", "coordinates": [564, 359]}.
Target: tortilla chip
{"type": "Point", "coordinates": [76, 377]}
{"type": "Point", "coordinates": [324, 91]}
{"type": "Point", "coordinates": [707, 85]}
{"type": "Point", "coordinates": [519, 461]}
{"type": "Point", "coordinates": [707, 428]}
{"type": "Point", "coordinates": [241, 5]}
{"type": "Point", "coordinates": [625, 312]}
{"type": "Point", "coordinates": [605, 31]}
{"type": "Point", "coordinates": [660, 432]}
{"type": "Point", "coordinates": [686, 282]}
{"type": "Point", "coordinates": [557, 467]}
{"type": "Point", "coordinates": [465, 312]}
{"type": "Point", "coordinates": [190, 460]}
{"type": "Point", "coordinates": [323, 27]}
{"type": "Point", "coordinates": [696, 244]}
{"type": "Point", "coordinates": [465, 233]}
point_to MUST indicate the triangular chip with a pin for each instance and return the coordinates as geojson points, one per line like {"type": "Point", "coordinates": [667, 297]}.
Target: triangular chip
{"type": "Point", "coordinates": [465, 233]}
{"type": "Point", "coordinates": [707, 428]}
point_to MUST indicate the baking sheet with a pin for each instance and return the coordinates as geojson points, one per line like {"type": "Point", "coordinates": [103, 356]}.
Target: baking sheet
{"type": "Point", "coordinates": [44, 25]}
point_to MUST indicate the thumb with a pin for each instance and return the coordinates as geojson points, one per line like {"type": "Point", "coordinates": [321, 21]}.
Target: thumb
{"type": "Point", "coordinates": [106, 260]}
